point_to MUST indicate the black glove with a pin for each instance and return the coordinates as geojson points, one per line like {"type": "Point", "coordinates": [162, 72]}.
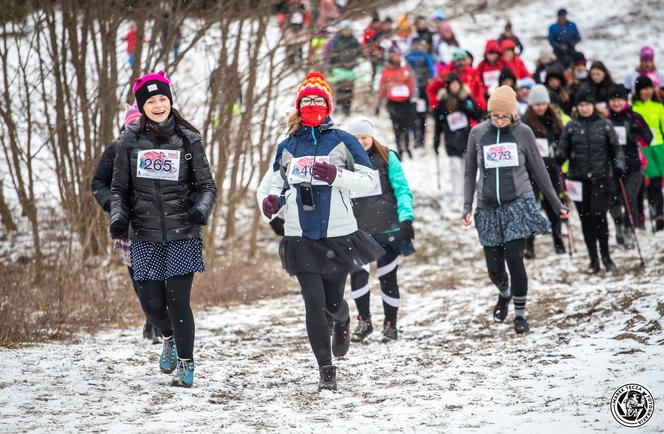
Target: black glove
{"type": "Point", "coordinates": [196, 217]}
{"type": "Point", "coordinates": [407, 233]}
{"type": "Point", "coordinates": [618, 172]}
{"type": "Point", "coordinates": [277, 225]}
{"type": "Point", "coordinates": [119, 229]}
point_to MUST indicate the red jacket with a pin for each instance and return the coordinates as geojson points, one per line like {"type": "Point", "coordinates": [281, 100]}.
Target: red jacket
{"type": "Point", "coordinates": [130, 37]}
{"type": "Point", "coordinates": [397, 84]}
{"type": "Point", "coordinates": [469, 77]}
{"type": "Point", "coordinates": [518, 67]}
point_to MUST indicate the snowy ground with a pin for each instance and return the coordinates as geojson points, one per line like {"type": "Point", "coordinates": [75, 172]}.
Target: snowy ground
{"type": "Point", "coordinates": [453, 369]}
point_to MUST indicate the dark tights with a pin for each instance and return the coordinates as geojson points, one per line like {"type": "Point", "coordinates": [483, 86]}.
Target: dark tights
{"type": "Point", "coordinates": [166, 303]}
{"type": "Point", "coordinates": [321, 292]}
{"type": "Point", "coordinates": [511, 253]}
{"type": "Point", "coordinates": [592, 209]}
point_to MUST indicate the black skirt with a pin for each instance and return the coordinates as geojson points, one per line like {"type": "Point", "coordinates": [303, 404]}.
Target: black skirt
{"type": "Point", "coordinates": [329, 255]}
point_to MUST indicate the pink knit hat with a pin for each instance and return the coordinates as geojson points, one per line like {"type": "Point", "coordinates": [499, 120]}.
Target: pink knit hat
{"type": "Point", "coordinates": [647, 53]}
{"type": "Point", "coordinates": [132, 113]}
{"type": "Point", "coordinates": [149, 85]}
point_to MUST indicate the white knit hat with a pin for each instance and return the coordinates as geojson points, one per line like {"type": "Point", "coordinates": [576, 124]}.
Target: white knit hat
{"type": "Point", "coordinates": [539, 95]}
{"type": "Point", "coordinates": [359, 125]}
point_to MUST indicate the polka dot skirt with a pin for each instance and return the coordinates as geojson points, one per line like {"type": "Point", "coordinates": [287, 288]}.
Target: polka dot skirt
{"type": "Point", "coordinates": [158, 261]}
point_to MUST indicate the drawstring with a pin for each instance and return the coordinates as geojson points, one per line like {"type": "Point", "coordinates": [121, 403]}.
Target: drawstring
{"type": "Point", "coordinates": [313, 135]}
{"type": "Point", "coordinates": [498, 171]}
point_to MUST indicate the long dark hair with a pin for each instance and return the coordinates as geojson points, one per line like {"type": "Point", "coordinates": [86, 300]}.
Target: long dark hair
{"type": "Point", "coordinates": [607, 81]}
{"type": "Point", "coordinates": [549, 117]}
{"type": "Point", "coordinates": [179, 121]}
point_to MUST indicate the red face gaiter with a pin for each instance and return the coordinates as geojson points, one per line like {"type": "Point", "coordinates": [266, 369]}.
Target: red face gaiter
{"type": "Point", "coordinates": [313, 115]}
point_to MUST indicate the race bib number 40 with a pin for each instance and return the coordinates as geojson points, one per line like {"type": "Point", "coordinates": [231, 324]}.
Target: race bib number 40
{"type": "Point", "coordinates": [501, 155]}
{"type": "Point", "coordinates": [300, 168]}
{"type": "Point", "coordinates": [158, 164]}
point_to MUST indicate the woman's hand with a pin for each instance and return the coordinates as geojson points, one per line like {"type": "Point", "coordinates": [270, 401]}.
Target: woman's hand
{"type": "Point", "coordinates": [564, 214]}
{"type": "Point", "coordinates": [466, 220]}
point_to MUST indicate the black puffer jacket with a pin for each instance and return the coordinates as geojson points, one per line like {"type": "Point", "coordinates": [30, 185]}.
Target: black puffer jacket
{"type": "Point", "coordinates": [101, 181]}
{"type": "Point", "coordinates": [457, 140]}
{"type": "Point", "coordinates": [591, 146]}
{"type": "Point", "coordinates": [159, 209]}
{"type": "Point", "coordinates": [636, 131]}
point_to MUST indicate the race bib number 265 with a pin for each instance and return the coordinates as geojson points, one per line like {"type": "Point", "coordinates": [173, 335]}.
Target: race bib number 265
{"type": "Point", "coordinates": [158, 164]}
{"type": "Point", "coordinates": [501, 155]}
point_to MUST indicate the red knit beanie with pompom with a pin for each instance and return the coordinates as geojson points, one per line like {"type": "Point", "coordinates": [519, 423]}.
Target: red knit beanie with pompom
{"type": "Point", "coordinates": [312, 86]}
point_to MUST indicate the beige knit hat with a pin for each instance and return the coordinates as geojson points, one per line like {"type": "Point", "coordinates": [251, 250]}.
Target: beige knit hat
{"type": "Point", "coordinates": [503, 100]}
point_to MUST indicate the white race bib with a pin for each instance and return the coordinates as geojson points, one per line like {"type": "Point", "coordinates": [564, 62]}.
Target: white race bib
{"type": "Point", "coordinates": [654, 137]}
{"type": "Point", "coordinates": [621, 132]}
{"type": "Point", "coordinates": [375, 192]}
{"type": "Point", "coordinates": [501, 155]}
{"type": "Point", "coordinates": [400, 91]}
{"type": "Point", "coordinates": [158, 164]}
{"type": "Point", "coordinates": [300, 168]}
{"type": "Point", "coordinates": [491, 79]}
{"type": "Point", "coordinates": [574, 190]}
{"type": "Point", "coordinates": [542, 76]}
{"type": "Point", "coordinates": [543, 147]}
{"type": "Point", "coordinates": [420, 105]}
{"type": "Point", "coordinates": [457, 121]}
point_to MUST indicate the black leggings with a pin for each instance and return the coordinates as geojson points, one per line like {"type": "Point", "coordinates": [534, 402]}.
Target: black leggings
{"type": "Point", "coordinates": [321, 292]}
{"type": "Point", "coordinates": [511, 253]}
{"type": "Point", "coordinates": [632, 182]}
{"type": "Point", "coordinates": [401, 114]}
{"type": "Point", "coordinates": [387, 275]}
{"type": "Point", "coordinates": [593, 208]}
{"type": "Point", "coordinates": [656, 197]}
{"type": "Point", "coordinates": [166, 303]}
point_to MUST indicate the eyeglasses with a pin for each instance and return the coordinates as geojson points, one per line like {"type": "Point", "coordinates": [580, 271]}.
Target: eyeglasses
{"type": "Point", "coordinates": [313, 101]}
{"type": "Point", "coordinates": [501, 117]}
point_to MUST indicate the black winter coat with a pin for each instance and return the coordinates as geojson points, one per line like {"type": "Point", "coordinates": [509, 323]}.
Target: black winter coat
{"type": "Point", "coordinates": [591, 146]}
{"type": "Point", "coordinates": [636, 129]}
{"type": "Point", "coordinates": [456, 141]}
{"type": "Point", "coordinates": [101, 181]}
{"type": "Point", "coordinates": [158, 209]}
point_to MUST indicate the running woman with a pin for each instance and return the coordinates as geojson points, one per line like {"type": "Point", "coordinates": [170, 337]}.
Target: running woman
{"type": "Point", "coordinates": [163, 187]}
{"type": "Point", "coordinates": [505, 152]}
{"type": "Point", "coordinates": [386, 213]}
{"type": "Point", "coordinates": [314, 171]}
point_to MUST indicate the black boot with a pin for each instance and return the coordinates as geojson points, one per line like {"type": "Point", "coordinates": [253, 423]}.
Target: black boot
{"type": "Point", "coordinates": [608, 263]}
{"type": "Point", "coordinates": [593, 268]}
{"type": "Point", "coordinates": [521, 325]}
{"type": "Point", "coordinates": [529, 252]}
{"type": "Point", "coordinates": [389, 332]}
{"type": "Point", "coordinates": [559, 245]}
{"type": "Point", "coordinates": [620, 234]}
{"type": "Point", "coordinates": [501, 309]}
{"type": "Point", "coordinates": [364, 328]}
{"type": "Point", "coordinates": [328, 378]}
{"type": "Point", "coordinates": [341, 334]}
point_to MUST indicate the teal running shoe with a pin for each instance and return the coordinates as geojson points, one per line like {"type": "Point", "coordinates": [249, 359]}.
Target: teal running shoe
{"type": "Point", "coordinates": [169, 357]}
{"type": "Point", "coordinates": [184, 377]}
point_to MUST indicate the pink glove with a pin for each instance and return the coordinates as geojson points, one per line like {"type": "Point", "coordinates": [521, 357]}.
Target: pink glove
{"type": "Point", "coordinates": [271, 205]}
{"type": "Point", "coordinates": [325, 172]}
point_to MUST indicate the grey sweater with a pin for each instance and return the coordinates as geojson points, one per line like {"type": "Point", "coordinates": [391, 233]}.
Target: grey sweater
{"type": "Point", "coordinates": [498, 186]}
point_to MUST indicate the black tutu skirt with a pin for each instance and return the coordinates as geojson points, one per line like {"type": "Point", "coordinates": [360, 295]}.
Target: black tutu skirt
{"type": "Point", "coordinates": [329, 255]}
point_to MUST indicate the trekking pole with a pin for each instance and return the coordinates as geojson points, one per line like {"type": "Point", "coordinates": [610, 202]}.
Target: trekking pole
{"type": "Point", "coordinates": [438, 171]}
{"type": "Point", "coordinates": [566, 201]}
{"type": "Point", "coordinates": [631, 219]}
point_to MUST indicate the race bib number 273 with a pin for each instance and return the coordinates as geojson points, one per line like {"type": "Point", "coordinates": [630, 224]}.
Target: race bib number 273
{"type": "Point", "coordinates": [158, 164]}
{"type": "Point", "coordinates": [501, 155]}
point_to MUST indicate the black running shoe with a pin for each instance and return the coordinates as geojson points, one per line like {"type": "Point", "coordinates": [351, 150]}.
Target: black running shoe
{"type": "Point", "coordinates": [151, 333]}
{"type": "Point", "coordinates": [521, 325]}
{"type": "Point", "coordinates": [609, 264]}
{"type": "Point", "coordinates": [389, 332]}
{"type": "Point", "coordinates": [502, 308]}
{"type": "Point", "coordinates": [364, 328]}
{"type": "Point", "coordinates": [328, 378]}
{"type": "Point", "coordinates": [341, 334]}
{"type": "Point", "coordinates": [593, 268]}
